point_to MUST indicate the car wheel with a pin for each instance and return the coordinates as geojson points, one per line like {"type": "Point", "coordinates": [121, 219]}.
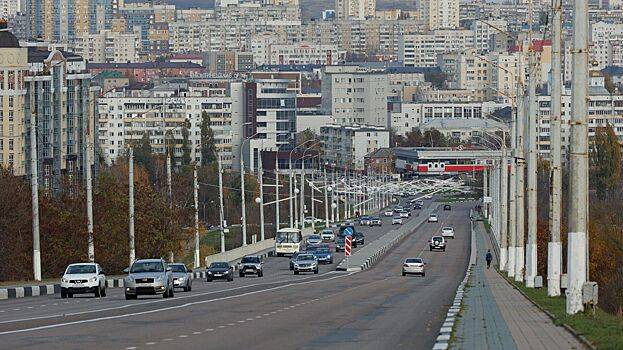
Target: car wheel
{"type": "Point", "coordinates": [230, 279]}
{"type": "Point", "coordinates": [185, 289]}
{"type": "Point", "coordinates": [403, 273]}
{"type": "Point", "coordinates": [315, 271]}
{"type": "Point", "coordinates": [69, 295]}
{"type": "Point", "coordinates": [98, 292]}
{"type": "Point", "coordinates": [423, 274]}
{"type": "Point", "coordinates": [165, 294]}
{"type": "Point", "coordinates": [104, 291]}
{"type": "Point", "coordinates": [171, 293]}
{"type": "Point", "coordinates": [190, 287]}
{"type": "Point", "coordinates": [444, 249]}
{"type": "Point", "coordinates": [63, 295]}
{"type": "Point", "coordinates": [260, 274]}
{"type": "Point", "coordinates": [208, 280]}
{"type": "Point", "coordinates": [296, 272]}
{"type": "Point", "coordinates": [241, 274]}
{"type": "Point", "coordinates": [129, 297]}
{"type": "Point", "coordinates": [431, 249]}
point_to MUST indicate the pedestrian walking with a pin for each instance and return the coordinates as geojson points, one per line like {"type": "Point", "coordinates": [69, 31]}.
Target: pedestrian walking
{"type": "Point", "coordinates": [489, 258]}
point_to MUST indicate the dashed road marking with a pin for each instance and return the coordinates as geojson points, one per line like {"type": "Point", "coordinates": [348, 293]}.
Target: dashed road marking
{"type": "Point", "coordinates": [209, 329]}
{"type": "Point", "coordinates": [150, 343]}
{"type": "Point", "coordinates": [182, 336]}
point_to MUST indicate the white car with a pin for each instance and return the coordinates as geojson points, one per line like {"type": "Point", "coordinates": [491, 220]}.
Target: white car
{"type": "Point", "coordinates": [405, 214]}
{"type": "Point", "coordinates": [428, 196]}
{"type": "Point", "coordinates": [310, 219]}
{"type": "Point", "coordinates": [327, 235]}
{"type": "Point", "coordinates": [433, 218]}
{"type": "Point", "coordinates": [389, 213]}
{"type": "Point", "coordinates": [414, 266]}
{"type": "Point", "coordinates": [313, 240]}
{"type": "Point", "coordinates": [397, 220]}
{"type": "Point", "coordinates": [83, 278]}
{"type": "Point", "coordinates": [447, 232]}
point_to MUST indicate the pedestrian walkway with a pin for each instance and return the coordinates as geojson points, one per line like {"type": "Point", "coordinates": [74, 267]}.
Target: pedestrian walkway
{"type": "Point", "coordinates": [497, 316]}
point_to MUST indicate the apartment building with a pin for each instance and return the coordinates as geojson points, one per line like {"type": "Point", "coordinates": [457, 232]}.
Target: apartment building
{"type": "Point", "coordinates": [345, 146]}
{"type": "Point", "coordinates": [51, 89]}
{"type": "Point", "coordinates": [440, 14]}
{"type": "Point", "coordinates": [355, 9]}
{"type": "Point", "coordinates": [421, 50]}
{"type": "Point", "coordinates": [355, 95]}
{"type": "Point", "coordinates": [108, 47]}
{"type": "Point", "coordinates": [299, 53]}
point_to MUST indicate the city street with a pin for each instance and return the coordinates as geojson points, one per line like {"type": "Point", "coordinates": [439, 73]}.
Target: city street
{"type": "Point", "coordinates": [376, 308]}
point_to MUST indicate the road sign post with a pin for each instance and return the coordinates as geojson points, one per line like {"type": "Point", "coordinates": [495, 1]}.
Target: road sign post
{"type": "Point", "coordinates": [347, 244]}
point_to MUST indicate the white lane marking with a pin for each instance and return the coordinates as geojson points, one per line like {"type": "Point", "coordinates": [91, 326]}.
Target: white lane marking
{"type": "Point", "coordinates": [156, 301]}
{"type": "Point", "coordinates": [130, 348]}
{"type": "Point", "coordinates": [231, 324]}
{"type": "Point", "coordinates": [183, 336]}
{"type": "Point", "coordinates": [147, 312]}
{"type": "Point", "coordinates": [209, 329]}
{"type": "Point", "coordinates": [266, 314]}
{"type": "Point", "coordinates": [15, 309]}
{"type": "Point", "coordinates": [167, 339]}
{"type": "Point", "coordinates": [258, 316]}
{"type": "Point", "coordinates": [249, 319]}
{"type": "Point", "coordinates": [221, 327]}
{"type": "Point", "coordinates": [150, 343]}
{"type": "Point", "coordinates": [196, 333]}
{"type": "Point", "coordinates": [241, 321]}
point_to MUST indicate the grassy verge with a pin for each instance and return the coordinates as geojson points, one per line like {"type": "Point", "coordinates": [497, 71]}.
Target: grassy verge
{"type": "Point", "coordinates": [603, 330]}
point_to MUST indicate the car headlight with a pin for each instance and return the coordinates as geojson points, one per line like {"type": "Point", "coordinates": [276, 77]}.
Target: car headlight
{"type": "Point", "coordinates": [296, 265]}
{"type": "Point", "coordinates": [93, 279]}
{"type": "Point", "coordinates": [209, 272]}
{"type": "Point", "coordinates": [64, 280]}
{"type": "Point", "coordinates": [181, 279]}
{"type": "Point", "coordinates": [226, 272]}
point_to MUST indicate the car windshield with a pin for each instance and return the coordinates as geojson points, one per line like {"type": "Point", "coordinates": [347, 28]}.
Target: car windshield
{"type": "Point", "coordinates": [413, 261]}
{"type": "Point", "coordinates": [219, 265]}
{"type": "Point", "coordinates": [250, 259]}
{"type": "Point", "coordinates": [147, 266]}
{"type": "Point", "coordinates": [376, 218]}
{"type": "Point", "coordinates": [178, 268]}
{"type": "Point", "coordinates": [288, 237]}
{"type": "Point", "coordinates": [79, 269]}
{"type": "Point", "coordinates": [303, 257]}
{"type": "Point", "coordinates": [433, 215]}
{"type": "Point", "coordinates": [447, 228]}
{"type": "Point", "coordinates": [327, 232]}
{"type": "Point", "coordinates": [312, 237]}
{"type": "Point", "coordinates": [437, 239]}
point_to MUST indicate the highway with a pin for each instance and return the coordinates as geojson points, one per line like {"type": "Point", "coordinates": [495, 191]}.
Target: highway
{"type": "Point", "coordinates": [373, 309]}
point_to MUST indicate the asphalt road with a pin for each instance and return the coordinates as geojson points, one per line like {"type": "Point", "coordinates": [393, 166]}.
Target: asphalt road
{"type": "Point", "coordinates": [373, 309]}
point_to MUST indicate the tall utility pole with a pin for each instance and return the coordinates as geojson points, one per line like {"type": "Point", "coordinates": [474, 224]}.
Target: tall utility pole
{"type": "Point", "coordinates": [531, 144]}
{"type": "Point", "coordinates": [277, 203]}
{"type": "Point", "coordinates": [131, 204]}
{"type": "Point", "coordinates": [504, 205]}
{"type": "Point", "coordinates": [261, 203]}
{"type": "Point", "coordinates": [326, 199]}
{"type": "Point", "coordinates": [292, 213]}
{"type": "Point", "coordinates": [512, 210]}
{"type": "Point", "coordinates": [519, 192]}
{"type": "Point", "coordinates": [169, 189]}
{"type": "Point", "coordinates": [313, 205]}
{"type": "Point", "coordinates": [220, 197]}
{"type": "Point", "coordinates": [34, 188]}
{"type": "Point", "coordinates": [302, 193]}
{"type": "Point", "coordinates": [577, 254]}
{"type": "Point", "coordinates": [485, 190]}
{"type": "Point", "coordinates": [554, 248]}
{"type": "Point", "coordinates": [196, 197]}
{"type": "Point", "coordinates": [244, 206]}
{"type": "Point", "coordinates": [91, 245]}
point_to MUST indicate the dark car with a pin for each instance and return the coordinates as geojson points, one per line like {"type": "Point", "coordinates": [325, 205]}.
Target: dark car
{"type": "Point", "coordinates": [322, 253]}
{"type": "Point", "coordinates": [358, 239]}
{"type": "Point", "coordinates": [447, 207]}
{"type": "Point", "coordinates": [340, 243]}
{"type": "Point", "coordinates": [417, 206]}
{"type": "Point", "coordinates": [220, 270]}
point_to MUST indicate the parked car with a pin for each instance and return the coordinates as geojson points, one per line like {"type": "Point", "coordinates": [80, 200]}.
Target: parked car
{"type": "Point", "coordinates": [376, 221]}
{"type": "Point", "coordinates": [447, 207]}
{"type": "Point", "coordinates": [364, 220]}
{"type": "Point", "coordinates": [220, 270]}
{"type": "Point", "coordinates": [306, 262]}
{"type": "Point", "coordinates": [447, 232]}
{"type": "Point", "coordinates": [313, 239]}
{"type": "Point", "coordinates": [251, 264]}
{"type": "Point", "coordinates": [327, 235]}
{"type": "Point", "coordinates": [433, 218]}
{"type": "Point", "coordinates": [83, 278]}
{"type": "Point", "coordinates": [148, 277]}
{"type": "Point", "coordinates": [389, 213]}
{"type": "Point", "coordinates": [414, 266]}
{"type": "Point", "coordinates": [397, 220]}
{"type": "Point", "coordinates": [437, 243]}
{"type": "Point", "coordinates": [182, 277]}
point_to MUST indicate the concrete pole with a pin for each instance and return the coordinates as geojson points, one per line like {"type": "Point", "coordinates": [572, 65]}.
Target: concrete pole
{"type": "Point", "coordinates": [512, 210]}
{"type": "Point", "coordinates": [221, 206]}
{"type": "Point", "coordinates": [169, 189]}
{"type": "Point", "coordinates": [345, 196]}
{"type": "Point", "coordinates": [326, 200]}
{"type": "Point", "coordinates": [277, 203]}
{"type": "Point", "coordinates": [577, 255]}
{"type": "Point", "coordinates": [261, 203]}
{"type": "Point", "coordinates": [335, 195]}
{"type": "Point", "coordinates": [291, 195]}
{"type": "Point", "coordinates": [554, 248]}
{"type": "Point", "coordinates": [91, 245]}
{"type": "Point", "coordinates": [485, 190]}
{"type": "Point", "coordinates": [296, 205]}
{"type": "Point", "coordinates": [302, 194]}
{"type": "Point", "coordinates": [131, 204]}
{"type": "Point", "coordinates": [34, 188]}
{"type": "Point", "coordinates": [520, 188]}
{"type": "Point", "coordinates": [531, 134]}
{"type": "Point", "coordinates": [313, 205]}
{"type": "Point", "coordinates": [504, 206]}
{"type": "Point", "coordinates": [197, 263]}
{"type": "Point", "coordinates": [244, 205]}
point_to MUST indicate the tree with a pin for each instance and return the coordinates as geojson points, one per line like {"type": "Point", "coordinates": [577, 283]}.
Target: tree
{"type": "Point", "coordinates": [605, 161]}
{"type": "Point", "coordinates": [609, 84]}
{"type": "Point", "coordinates": [306, 135]}
{"type": "Point", "coordinates": [430, 138]}
{"type": "Point", "coordinates": [143, 152]}
{"type": "Point", "coordinates": [208, 148]}
{"type": "Point", "coordinates": [186, 145]}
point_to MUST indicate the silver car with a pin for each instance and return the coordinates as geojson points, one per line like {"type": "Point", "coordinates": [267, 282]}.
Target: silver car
{"type": "Point", "coordinates": [148, 277]}
{"type": "Point", "coordinates": [306, 263]}
{"type": "Point", "coordinates": [414, 266]}
{"type": "Point", "coordinates": [313, 240]}
{"type": "Point", "coordinates": [182, 277]}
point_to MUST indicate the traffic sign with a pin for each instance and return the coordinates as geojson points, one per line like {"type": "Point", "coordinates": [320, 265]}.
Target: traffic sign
{"type": "Point", "coordinates": [348, 231]}
{"type": "Point", "coordinates": [347, 242]}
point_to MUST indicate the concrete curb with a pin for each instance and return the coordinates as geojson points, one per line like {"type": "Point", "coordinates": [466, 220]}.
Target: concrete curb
{"type": "Point", "coordinates": [445, 333]}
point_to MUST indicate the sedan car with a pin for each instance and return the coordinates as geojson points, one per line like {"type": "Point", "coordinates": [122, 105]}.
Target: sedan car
{"type": "Point", "coordinates": [397, 220]}
{"type": "Point", "coordinates": [327, 235]}
{"type": "Point", "coordinates": [376, 221]}
{"type": "Point", "coordinates": [417, 206]}
{"type": "Point", "coordinates": [293, 259]}
{"type": "Point", "coordinates": [306, 262]}
{"type": "Point", "coordinates": [389, 213]}
{"type": "Point", "coordinates": [428, 196]}
{"type": "Point", "coordinates": [358, 239]}
{"type": "Point", "coordinates": [83, 278]}
{"type": "Point", "coordinates": [447, 207]}
{"type": "Point", "coordinates": [437, 243]}
{"type": "Point", "coordinates": [414, 266]}
{"type": "Point", "coordinates": [313, 240]}
{"type": "Point", "coordinates": [220, 270]}
{"type": "Point", "coordinates": [364, 221]}
{"type": "Point", "coordinates": [148, 277]}
{"type": "Point", "coordinates": [322, 253]}
{"type": "Point", "coordinates": [405, 214]}
{"type": "Point", "coordinates": [182, 277]}
{"type": "Point", "coordinates": [340, 242]}
{"type": "Point", "coordinates": [447, 232]}
{"type": "Point", "coordinates": [251, 264]}
{"type": "Point", "coordinates": [433, 218]}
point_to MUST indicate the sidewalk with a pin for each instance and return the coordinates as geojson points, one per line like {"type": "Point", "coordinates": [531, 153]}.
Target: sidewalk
{"type": "Point", "coordinates": [496, 316]}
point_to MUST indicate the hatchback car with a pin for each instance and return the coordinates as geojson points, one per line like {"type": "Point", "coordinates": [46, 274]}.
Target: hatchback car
{"type": "Point", "coordinates": [447, 232]}
{"type": "Point", "coordinates": [437, 243]}
{"type": "Point", "coordinates": [306, 262]}
{"type": "Point", "coordinates": [397, 220]}
{"type": "Point", "coordinates": [433, 218]}
{"type": "Point", "coordinates": [220, 270]}
{"type": "Point", "coordinates": [182, 277]}
{"type": "Point", "coordinates": [148, 277]}
{"type": "Point", "coordinates": [414, 266]}
{"type": "Point", "coordinates": [83, 278]}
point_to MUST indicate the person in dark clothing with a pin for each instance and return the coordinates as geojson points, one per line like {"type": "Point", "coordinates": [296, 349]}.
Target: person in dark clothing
{"type": "Point", "coordinates": [489, 258]}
